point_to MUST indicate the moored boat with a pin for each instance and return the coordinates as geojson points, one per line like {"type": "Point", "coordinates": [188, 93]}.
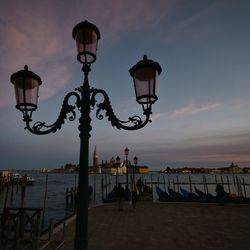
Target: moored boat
{"type": "Point", "coordinates": [17, 178]}
{"type": "Point", "coordinates": [163, 196]}
{"type": "Point", "coordinates": [205, 197]}
{"type": "Point", "coordinates": [175, 195]}
{"type": "Point", "coordinates": [189, 196]}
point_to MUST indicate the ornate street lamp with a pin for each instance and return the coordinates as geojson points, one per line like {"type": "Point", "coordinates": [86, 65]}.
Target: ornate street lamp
{"type": "Point", "coordinates": [135, 160]}
{"type": "Point", "coordinates": [118, 160]}
{"type": "Point", "coordinates": [126, 151]}
{"type": "Point", "coordinates": [26, 87]}
{"type": "Point", "coordinates": [135, 164]}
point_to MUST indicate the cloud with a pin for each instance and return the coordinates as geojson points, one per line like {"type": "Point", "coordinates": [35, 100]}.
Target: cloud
{"type": "Point", "coordinates": [191, 109]}
{"type": "Point", "coordinates": [188, 110]}
{"type": "Point", "coordinates": [28, 37]}
{"type": "Point", "coordinates": [122, 17]}
{"type": "Point", "coordinates": [216, 148]}
{"type": "Point", "coordinates": [39, 34]}
{"type": "Point", "coordinates": [187, 27]}
{"type": "Point", "coordinates": [57, 78]}
{"type": "Point", "coordinates": [155, 117]}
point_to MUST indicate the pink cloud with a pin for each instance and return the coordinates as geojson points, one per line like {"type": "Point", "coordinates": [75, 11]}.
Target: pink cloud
{"type": "Point", "coordinates": [186, 28]}
{"type": "Point", "coordinates": [125, 16]}
{"type": "Point", "coordinates": [191, 109]}
{"type": "Point", "coordinates": [219, 148]}
{"type": "Point", "coordinates": [27, 38]}
{"type": "Point", "coordinates": [55, 80]}
{"type": "Point", "coordinates": [155, 117]}
{"type": "Point", "coordinates": [39, 34]}
{"type": "Point", "coordinates": [188, 110]}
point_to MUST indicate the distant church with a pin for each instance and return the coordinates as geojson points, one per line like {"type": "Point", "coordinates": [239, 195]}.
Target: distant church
{"type": "Point", "coordinates": [112, 168]}
{"type": "Point", "coordinates": [96, 166]}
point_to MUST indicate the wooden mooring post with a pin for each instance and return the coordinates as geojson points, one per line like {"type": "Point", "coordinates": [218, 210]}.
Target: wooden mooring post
{"type": "Point", "coordinates": [94, 185]}
{"type": "Point", "coordinates": [244, 187]}
{"type": "Point", "coordinates": [222, 182]}
{"type": "Point", "coordinates": [70, 195]}
{"type": "Point", "coordinates": [45, 199]}
{"type": "Point", "coordinates": [228, 185]}
{"type": "Point", "coordinates": [190, 184]}
{"type": "Point", "coordinates": [164, 181]}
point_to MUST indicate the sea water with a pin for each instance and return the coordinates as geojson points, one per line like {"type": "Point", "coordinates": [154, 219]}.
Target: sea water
{"type": "Point", "coordinates": [48, 190]}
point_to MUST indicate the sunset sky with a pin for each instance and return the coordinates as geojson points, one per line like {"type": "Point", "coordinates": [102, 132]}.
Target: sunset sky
{"type": "Point", "coordinates": [202, 117]}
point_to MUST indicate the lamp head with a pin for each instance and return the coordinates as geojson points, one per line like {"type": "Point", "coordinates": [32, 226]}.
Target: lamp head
{"type": "Point", "coordinates": [145, 74]}
{"type": "Point", "coordinates": [26, 85]}
{"type": "Point", "coordinates": [86, 35]}
{"type": "Point", "coordinates": [118, 160]}
{"type": "Point", "coordinates": [135, 160]}
{"type": "Point", "coordinates": [126, 150]}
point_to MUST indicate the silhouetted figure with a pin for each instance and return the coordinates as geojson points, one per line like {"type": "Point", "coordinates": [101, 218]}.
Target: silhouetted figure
{"type": "Point", "coordinates": [90, 192]}
{"type": "Point", "coordinates": [134, 198]}
{"type": "Point", "coordinates": [120, 196]}
{"type": "Point", "coordinates": [127, 195]}
{"type": "Point", "coordinates": [139, 185]}
{"type": "Point", "coordinates": [221, 194]}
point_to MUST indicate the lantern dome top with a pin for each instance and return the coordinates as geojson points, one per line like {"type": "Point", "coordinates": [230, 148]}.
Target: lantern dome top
{"type": "Point", "coordinates": [145, 63]}
{"type": "Point", "coordinates": [25, 73]}
{"type": "Point", "coordinates": [85, 24]}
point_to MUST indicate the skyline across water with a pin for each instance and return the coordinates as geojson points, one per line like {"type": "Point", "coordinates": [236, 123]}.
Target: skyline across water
{"type": "Point", "coordinates": [55, 202]}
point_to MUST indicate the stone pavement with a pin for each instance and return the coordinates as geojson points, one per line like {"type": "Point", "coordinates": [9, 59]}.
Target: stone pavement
{"type": "Point", "coordinates": [160, 226]}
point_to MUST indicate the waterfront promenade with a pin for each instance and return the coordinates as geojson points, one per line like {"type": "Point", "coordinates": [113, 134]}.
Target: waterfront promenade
{"type": "Point", "coordinates": [161, 226]}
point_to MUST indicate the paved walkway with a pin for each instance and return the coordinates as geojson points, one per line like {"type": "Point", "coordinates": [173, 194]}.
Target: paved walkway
{"type": "Point", "coordinates": [161, 226]}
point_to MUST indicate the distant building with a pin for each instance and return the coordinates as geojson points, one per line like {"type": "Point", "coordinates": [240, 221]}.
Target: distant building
{"type": "Point", "coordinates": [96, 168]}
{"type": "Point", "coordinates": [232, 169]}
{"type": "Point", "coordinates": [142, 169]}
{"type": "Point", "coordinates": [246, 170]}
{"type": "Point", "coordinates": [117, 169]}
{"type": "Point", "coordinates": [113, 168]}
{"type": "Point", "coordinates": [5, 173]}
{"type": "Point", "coordinates": [95, 159]}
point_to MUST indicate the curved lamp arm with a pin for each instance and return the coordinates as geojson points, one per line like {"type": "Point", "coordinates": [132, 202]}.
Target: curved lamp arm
{"type": "Point", "coordinates": [40, 128]}
{"type": "Point", "coordinates": [135, 121]}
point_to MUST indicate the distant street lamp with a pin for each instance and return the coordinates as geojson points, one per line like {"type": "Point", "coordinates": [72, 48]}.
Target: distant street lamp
{"type": "Point", "coordinates": [27, 83]}
{"type": "Point", "coordinates": [126, 151]}
{"type": "Point", "coordinates": [135, 164]}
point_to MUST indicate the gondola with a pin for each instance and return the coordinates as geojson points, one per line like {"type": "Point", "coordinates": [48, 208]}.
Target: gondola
{"type": "Point", "coordinates": [189, 196]}
{"type": "Point", "coordinates": [111, 197]}
{"type": "Point", "coordinates": [205, 197]}
{"type": "Point", "coordinates": [163, 196]}
{"type": "Point", "coordinates": [147, 189]}
{"type": "Point", "coordinates": [175, 196]}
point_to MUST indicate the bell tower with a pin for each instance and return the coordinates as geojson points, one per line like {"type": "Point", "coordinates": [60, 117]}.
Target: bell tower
{"type": "Point", "coordinates": [95, 159]}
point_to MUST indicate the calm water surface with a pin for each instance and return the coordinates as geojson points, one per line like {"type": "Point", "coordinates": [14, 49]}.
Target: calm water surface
{"type": "Point", "coordinates": [55, 202]}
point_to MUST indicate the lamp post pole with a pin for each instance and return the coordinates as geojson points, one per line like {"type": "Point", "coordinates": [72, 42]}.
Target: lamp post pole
{"type": "Point", "coordinates": [135, 163]}
{"type": "Point", "coordinates": [126, 161]}
{"type": "Point", "coordinates": [81, 233]}
{"type": "Point", "coordinates": [27, 84]}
